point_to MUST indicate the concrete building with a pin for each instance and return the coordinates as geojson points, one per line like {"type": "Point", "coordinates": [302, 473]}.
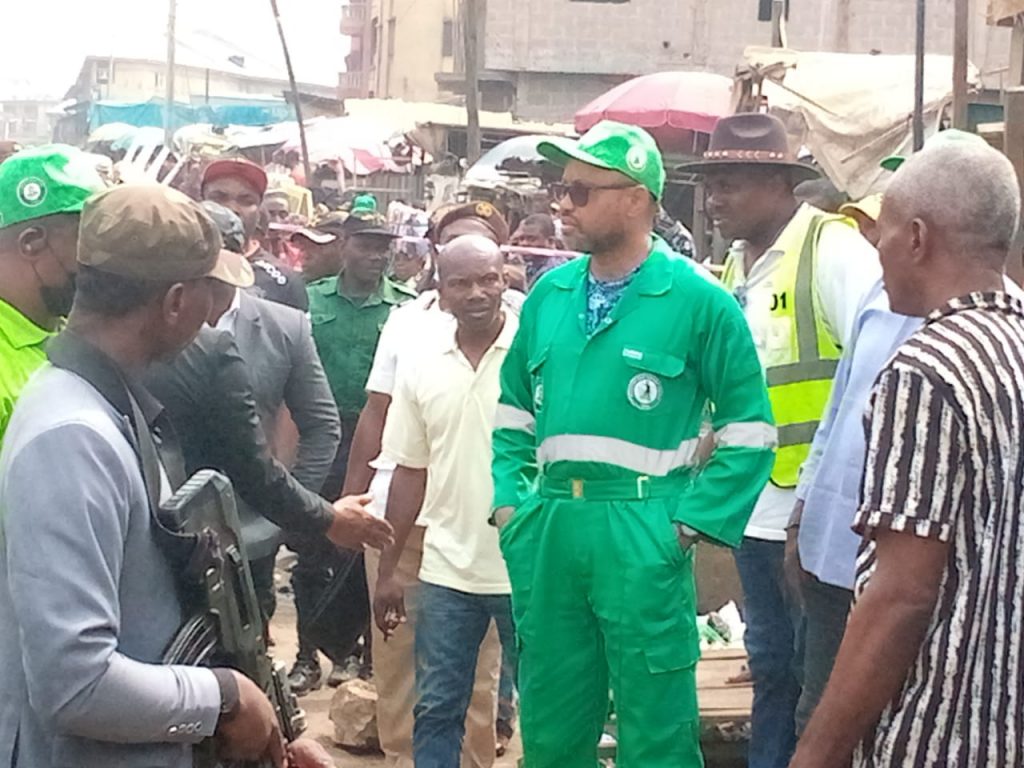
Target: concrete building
{"type": "Point", "coordinates": [398, 49]}
{"type": "Point", "coordinates": [26, 121]}
{"type": "Point", "coordinates": [118, 78]}
{"type": "Point", "coordinates": [545, 58]}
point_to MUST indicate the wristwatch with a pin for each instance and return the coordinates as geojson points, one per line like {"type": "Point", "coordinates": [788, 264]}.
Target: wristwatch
{"type": "Point", "coordinates": [230, 698]}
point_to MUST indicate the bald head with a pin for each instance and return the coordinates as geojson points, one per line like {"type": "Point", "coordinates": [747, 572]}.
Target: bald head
{"type": "Point", "coordinates": [468, 249]}
{"type": "Point", "coordinates": [967, 194]}
{"type": "Point", "coordinates": [471, 280]}
{"type": "Point", "coordinates": [947, 222]}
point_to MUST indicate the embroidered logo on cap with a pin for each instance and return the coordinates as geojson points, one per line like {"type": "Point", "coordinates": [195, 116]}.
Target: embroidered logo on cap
{"type": "Point", "coordinates": [636, 159]}
{"type": "Point", "coordinates": [484, 210]}
{"type": "Point", "coordinates": [31, 192]}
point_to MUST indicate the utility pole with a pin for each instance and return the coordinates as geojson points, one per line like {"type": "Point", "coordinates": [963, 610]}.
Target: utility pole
{"type": "Point", "coordinates": [172, 13]}
{"type": "Point", "coordinates": [295, 93]}
{"type": "Point", "coordinates": [472, 28]}
{"type": "Point", "coordinates": [961, 25]}
{"type": "Point", "coordinates": [779, 11]}
{"type": "Point", "coordinates": [919, 78]}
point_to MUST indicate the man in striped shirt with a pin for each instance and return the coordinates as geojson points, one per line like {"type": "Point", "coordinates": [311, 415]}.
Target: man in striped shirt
{"type": "Point", "coordinates": [929, 672]}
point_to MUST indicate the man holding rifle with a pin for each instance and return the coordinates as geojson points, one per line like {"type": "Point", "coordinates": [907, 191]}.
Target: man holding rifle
{"type": "Point", "coordinates": [88, 600]}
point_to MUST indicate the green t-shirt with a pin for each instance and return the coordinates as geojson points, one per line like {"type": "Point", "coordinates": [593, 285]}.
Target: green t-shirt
{"type": "Point", "coordinates": [22, 344]}
{"type": "Point", "coordinates": [346, 335]}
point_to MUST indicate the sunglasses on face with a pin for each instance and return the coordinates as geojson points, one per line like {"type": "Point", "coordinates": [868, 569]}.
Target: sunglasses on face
{"type": "Point", "coordinates": [579, 193]}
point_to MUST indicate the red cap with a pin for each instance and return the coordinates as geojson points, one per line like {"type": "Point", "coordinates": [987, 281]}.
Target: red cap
{"type": "Point", "coordinates": [248, 172]}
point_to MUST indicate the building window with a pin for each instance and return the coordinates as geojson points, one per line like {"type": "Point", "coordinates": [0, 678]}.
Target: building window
{"type": "Point", "coordinates": [391, 38]}
{"type": "Point", "coordinates": [448, 38]}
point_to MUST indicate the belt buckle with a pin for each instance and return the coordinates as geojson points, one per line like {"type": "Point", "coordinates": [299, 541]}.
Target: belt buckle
{"type": "Point", "coordinates": [643, 487]}
{"type": "Point", "coordinates": [577, 488]}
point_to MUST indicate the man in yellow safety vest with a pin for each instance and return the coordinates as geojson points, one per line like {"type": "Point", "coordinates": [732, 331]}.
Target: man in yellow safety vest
{"type": "Point", "coordinates": [800, 275]}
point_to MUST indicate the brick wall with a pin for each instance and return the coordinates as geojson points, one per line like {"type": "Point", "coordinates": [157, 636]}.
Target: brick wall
{"type": "Point", "coordinates": [545, 40]}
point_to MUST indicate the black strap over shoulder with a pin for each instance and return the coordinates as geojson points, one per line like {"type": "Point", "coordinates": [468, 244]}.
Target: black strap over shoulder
{"type": "Point", "coordinates": [72, 353]}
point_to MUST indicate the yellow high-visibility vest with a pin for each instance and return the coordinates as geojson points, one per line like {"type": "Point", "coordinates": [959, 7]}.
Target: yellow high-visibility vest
{"type": "Point", "coordinates": [800, 362]}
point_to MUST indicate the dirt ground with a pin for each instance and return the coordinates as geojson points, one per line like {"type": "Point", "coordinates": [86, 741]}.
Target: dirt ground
{"type": "Point", "coordinates": [318, 703]}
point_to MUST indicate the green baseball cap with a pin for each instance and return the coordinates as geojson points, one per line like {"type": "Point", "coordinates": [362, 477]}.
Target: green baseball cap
{"type": "Point", "coordinates": [615, 147]}
{"type": "Point", "coordinates": [364, 204]}
{"type": "Point", "coordinates": [951, 136]}
{"type": "Point", "coordinates": [44, 181]}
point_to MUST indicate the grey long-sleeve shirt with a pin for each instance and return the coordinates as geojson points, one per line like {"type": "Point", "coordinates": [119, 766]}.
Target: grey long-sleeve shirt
{"type": "Point", "coordinates": [87, 600]}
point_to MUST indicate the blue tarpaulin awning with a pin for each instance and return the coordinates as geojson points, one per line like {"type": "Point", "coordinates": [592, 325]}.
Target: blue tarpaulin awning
{"type": "Point", "coordinates": [218, 112]}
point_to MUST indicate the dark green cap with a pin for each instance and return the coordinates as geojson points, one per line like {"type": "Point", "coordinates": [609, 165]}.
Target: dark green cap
{"type": "Point", "coordinates": [613, 146]}
{"type": "Point", "coordinates": [950, 136]}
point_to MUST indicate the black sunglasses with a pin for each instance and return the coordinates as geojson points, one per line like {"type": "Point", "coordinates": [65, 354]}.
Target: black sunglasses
{"type": "Point", "coordinates": [579, 193]}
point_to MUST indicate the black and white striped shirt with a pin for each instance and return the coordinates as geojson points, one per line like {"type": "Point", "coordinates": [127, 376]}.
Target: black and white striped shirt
{"type": "Point", "coordinates": [945, 461]}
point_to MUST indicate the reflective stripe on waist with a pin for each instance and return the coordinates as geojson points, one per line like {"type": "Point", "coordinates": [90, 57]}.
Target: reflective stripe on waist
{"type": "Point", "coordinates": [618, 453]}
{"type": "Point", "coordinates": [635, 489]}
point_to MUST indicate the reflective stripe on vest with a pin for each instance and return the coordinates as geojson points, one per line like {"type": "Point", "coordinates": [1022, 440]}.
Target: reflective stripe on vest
{"type": "Point", "coordinates": [800, 386]}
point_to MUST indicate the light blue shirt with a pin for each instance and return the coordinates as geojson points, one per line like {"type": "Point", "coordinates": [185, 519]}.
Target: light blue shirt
{"type": "Point", "coordinates": [831, 477]}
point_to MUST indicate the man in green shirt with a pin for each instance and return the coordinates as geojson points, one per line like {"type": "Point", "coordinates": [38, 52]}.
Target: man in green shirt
{"type": "Point", "coordinates": [348, 311]}
{"type": "Point", "coordinates": [42, 192]}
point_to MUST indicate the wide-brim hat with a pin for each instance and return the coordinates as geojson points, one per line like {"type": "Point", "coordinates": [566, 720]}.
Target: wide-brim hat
{"type": "Point", "coordinates": [750, 139]}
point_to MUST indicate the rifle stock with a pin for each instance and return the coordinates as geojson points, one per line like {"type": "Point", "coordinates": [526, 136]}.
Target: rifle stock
{"type": "Point", "coordinates": [224, 626]}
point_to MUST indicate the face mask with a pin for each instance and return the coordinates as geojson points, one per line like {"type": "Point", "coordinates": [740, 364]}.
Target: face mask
{"type": "Point", "coordinates": [58, 299]}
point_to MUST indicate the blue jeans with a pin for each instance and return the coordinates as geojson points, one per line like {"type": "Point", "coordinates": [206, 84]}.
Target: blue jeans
{"type": "Point", "coordinates": [771, 615]}
{"type": "Point", "coordinates": [450, 627]}
{"type": "Point", "coordinates": [507, 709]}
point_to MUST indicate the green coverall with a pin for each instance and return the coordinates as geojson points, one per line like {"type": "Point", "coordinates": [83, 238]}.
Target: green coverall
{"type": "Point", "coordinates": [595, 446]}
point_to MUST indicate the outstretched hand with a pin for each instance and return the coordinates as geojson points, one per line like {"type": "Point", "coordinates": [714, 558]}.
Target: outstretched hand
{"type": "Point", "coordinates": [353, 527]}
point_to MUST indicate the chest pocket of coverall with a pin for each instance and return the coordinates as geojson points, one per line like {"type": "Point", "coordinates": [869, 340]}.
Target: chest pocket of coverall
{"type": "Point", "coordinates": [651, 376]}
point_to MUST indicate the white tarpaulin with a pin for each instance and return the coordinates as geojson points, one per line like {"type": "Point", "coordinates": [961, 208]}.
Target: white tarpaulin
{"type": "Point", "coordinates": [852, 110]}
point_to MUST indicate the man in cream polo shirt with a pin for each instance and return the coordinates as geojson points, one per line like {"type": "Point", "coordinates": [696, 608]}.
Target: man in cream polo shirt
{"type": "Point", "coordinates": [439, 432]}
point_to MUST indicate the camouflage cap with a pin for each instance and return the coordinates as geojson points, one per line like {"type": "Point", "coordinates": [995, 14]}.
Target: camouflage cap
{"type": "Point", "coordinates": [148, 232]}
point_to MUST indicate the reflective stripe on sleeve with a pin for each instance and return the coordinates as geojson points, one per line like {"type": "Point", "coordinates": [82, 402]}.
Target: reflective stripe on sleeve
{"type": "Point", "coordinates": [510, 417]}
{"type": "Point", "coordinates": [620, 453]}
{"type": "Point", "coordinates": [747, 434]}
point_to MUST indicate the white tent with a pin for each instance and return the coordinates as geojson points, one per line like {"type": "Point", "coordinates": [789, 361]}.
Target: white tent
{"type": "Point", "coordinates": [851, 110]}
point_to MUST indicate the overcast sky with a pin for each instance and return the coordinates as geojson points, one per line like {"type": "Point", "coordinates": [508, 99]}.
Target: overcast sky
{"type": "Point", "coordinates": [46, 40]}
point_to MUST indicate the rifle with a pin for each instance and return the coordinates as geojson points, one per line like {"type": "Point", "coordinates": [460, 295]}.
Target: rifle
{"type": "Point", "coordinates": [225, 628]}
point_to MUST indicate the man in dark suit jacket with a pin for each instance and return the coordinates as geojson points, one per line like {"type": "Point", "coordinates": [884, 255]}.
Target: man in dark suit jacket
{"type": "Point", "coordinates": [276, 343]}
{"type": "Point", "coordinates": [285, 370]}
{"type": "Point", "coordinates": [208, 397]}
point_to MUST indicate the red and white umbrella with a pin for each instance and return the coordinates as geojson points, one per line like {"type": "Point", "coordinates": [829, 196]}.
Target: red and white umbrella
{"type": "Point", "coordinates": [671, 105]}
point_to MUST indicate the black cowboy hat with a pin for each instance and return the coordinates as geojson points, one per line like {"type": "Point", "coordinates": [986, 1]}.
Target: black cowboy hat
{"type": "Point", "coordinates": [750, 139]}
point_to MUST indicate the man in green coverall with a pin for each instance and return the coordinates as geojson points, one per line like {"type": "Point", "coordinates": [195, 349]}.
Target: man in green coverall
{"type": "Point", "coordinates": [600, 490]}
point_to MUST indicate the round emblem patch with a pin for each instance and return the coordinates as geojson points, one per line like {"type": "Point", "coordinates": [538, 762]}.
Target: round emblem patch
{"type": "Point", "coordinates": [636, 159]}
{"type": "Point", "coordinates": [31, 192]}
{"type": "Point", "coordinates": [484, 210]}
{"type": "Point", "coordinates": [644, 391]}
